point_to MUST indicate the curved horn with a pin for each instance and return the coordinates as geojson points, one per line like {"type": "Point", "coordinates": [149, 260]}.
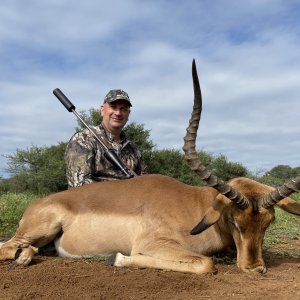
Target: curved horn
{"type": "Point", "coordinates": [281, 192]}
{"type": "Point", "coordinates": [191, 155]}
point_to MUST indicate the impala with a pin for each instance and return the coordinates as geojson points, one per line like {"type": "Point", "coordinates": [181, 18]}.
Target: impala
{"type": "Point", "coordinates": [155, 221]}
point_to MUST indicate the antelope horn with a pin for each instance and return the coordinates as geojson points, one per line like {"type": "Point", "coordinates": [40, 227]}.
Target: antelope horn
{"type": "Point", "coordinates": [191, 155]}
{"type": "Point", "coordinates": [281, 192]}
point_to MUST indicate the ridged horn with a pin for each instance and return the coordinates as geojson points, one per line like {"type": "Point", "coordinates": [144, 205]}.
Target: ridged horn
{"type": "Point", "coordinates": [191, 155]}
{"type": "Point", "coordinates": [281, 192]}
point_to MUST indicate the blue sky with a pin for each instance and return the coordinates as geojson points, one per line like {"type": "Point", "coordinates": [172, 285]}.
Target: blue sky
{"type": "Point", "coordinates": [247, 54]}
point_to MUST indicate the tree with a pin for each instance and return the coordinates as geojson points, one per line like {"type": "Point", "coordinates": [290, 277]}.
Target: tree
{"type": "Point", "coordinates": [278, 175]}
{"type": "Point", "coordinates": [38, 169]}
{"type": "Point", "coordinates": [141, 137]}
{"type": "Point", "coordinates": [282, 171]}
{"type": "Point", "coordinates": [92, 118]}
{"type": "Point", "coordinates": [227, 170]}
{"type": "Point", "coordinates": [171, 163]}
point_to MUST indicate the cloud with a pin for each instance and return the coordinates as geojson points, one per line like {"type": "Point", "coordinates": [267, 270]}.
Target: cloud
{"type": "Point", "coordinates": [247, 63]}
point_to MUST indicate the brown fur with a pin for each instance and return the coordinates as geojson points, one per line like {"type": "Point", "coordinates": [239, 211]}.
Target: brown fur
{"type": "Point", "coordinates": [147, 220]}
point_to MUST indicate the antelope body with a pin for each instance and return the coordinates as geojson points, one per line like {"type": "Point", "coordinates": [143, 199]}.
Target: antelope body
{"type": "Point", "coordinates": [146, 221]}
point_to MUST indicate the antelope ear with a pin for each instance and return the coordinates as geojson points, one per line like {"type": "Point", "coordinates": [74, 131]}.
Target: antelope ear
{"type": "Point", "coordinates": [289, 205]}
{"type": "Point", "coordinates": [212, 215]}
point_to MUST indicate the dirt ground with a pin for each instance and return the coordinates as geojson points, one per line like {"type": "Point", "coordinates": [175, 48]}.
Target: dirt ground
{"type": "Point", "coordinates": [57, 278]}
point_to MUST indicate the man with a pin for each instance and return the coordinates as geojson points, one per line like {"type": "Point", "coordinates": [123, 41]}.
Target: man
{"type": "Point", "coordinates": [84, 156]}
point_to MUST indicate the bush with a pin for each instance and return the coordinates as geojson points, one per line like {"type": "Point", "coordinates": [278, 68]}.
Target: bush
{"type": "Point", "coordinates": [171, 163]}
{"type": "Point", "coordinates": [279, 175]}
{"type": "Point", "coordinates": [40, 170]}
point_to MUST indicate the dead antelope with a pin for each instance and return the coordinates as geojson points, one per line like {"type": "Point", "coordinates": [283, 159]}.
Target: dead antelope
{"type": "Point", "coordinates": [146, 221]}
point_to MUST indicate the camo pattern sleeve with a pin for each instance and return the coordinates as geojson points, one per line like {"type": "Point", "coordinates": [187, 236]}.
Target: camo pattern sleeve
{"type": "Point", "coordinates": [139, 165]}
{"type": "Point", "coordinates": [79, 158]}
{"type": "Point", "coordinates": [86, 163]}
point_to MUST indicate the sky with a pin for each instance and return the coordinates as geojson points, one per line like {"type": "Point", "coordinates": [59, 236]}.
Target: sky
{"type": "Point", "coordinates": [247, 56]}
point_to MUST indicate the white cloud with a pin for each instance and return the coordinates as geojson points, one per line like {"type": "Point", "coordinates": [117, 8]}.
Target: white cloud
{"type": "Point", "coordinates": [248, 64]}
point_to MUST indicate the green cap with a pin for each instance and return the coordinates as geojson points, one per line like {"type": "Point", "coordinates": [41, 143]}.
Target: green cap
{"type": "Point", "coordinates": [114, 95]}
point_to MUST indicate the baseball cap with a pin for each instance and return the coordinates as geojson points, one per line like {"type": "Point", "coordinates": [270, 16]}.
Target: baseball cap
{"type": "Point", "coordinates": [114, 95]}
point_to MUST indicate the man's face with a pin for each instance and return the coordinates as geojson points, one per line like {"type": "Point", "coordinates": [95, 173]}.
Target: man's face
{"type": "Point", "coordinates": [115, 114]}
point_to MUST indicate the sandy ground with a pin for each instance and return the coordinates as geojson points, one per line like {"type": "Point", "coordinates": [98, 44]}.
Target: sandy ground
{"type": "Point", "coordinates": [57, 278]}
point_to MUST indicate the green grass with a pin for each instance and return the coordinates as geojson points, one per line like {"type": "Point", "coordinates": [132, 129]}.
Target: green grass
{"type": "Point", "coordinates": [284, 230]}
{"type": "Point", "coordinates": [12, 207]}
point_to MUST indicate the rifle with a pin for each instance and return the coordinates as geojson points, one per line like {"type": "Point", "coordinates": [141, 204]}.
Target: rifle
{"type": "Point", "coordinates": [109, 152]}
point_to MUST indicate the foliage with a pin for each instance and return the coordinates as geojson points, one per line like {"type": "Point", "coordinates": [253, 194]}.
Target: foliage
{"type": "Point", "coordinates": [278, 175]}
{"type": "Point", "coordinates": [173, 164]}
{"type": "Point", "coordinates": [285, 228]}
{"type": "Point", "coordinates": [12, 206]}
{"type": "Point", "coordinates": [92, 118]}
{"type": "Point", "coordinates": [283, 171]}
{"type": "Point", "coordinates": [37, 169]}
{"type": "Point", "coordinates": [141, 137]}
{"type": "Point", "coordinates": [227, 170]}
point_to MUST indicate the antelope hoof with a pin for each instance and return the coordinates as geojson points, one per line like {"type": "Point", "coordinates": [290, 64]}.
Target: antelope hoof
{"type": "Point", "coordinates": [23, 257]}
{"type": "Point", "coordinates": [256, 270]}
{"type": "Point", "coordinates": [259, 269]}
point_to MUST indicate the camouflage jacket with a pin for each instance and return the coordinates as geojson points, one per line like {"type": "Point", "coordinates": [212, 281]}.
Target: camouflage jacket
{"type": "Point", "coordinates": [86, 163]}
